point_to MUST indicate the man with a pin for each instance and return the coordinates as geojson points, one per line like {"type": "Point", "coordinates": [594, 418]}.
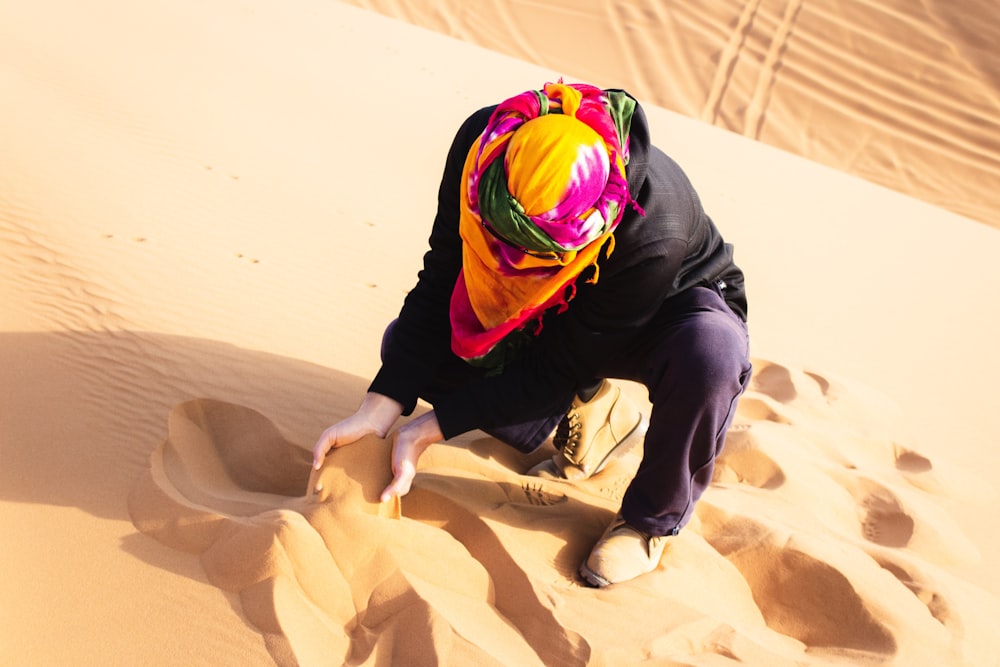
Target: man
{"type": "Point", "coordinates": [567, 250]}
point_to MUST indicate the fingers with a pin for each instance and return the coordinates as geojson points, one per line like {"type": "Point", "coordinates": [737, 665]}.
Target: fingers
{"type": "Point", "coordinates": [340, 434]}
{"type": "Point", "coordinates": [320, 449]}
{"type": "Point", "coordinates": [326, 442]}
{"type": "Point", "coordinates": [313, 487]}
{"type": "Point", "coordinates": [400, 484]}
{"type": "Point", "coordinates": [407, 448]}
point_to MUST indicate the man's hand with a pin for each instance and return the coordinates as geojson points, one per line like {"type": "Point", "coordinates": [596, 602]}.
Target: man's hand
{"type": "Point", "coordinates": [410, 442]}
{"type": "Point", "coordinates": [376, 415]}
{"type": "Point", "coordinates": [342, 433]}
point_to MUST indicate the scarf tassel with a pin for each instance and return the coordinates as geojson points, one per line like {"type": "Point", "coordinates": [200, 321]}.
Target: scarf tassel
{"type": "Point", "coordinates": [597, 269]}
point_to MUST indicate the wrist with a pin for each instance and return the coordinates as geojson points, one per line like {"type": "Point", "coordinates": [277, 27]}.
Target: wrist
{"type": "Point", "coordinates": [425, 430]}
{"type": "Point", "coordinates": [381, 412]}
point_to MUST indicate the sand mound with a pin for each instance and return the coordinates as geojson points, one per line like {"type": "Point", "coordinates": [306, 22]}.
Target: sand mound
{"type": "Point", "coordinates": [817, 542]}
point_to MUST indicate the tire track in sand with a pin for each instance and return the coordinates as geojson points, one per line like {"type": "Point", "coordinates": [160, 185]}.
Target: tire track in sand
{"type": "Point", "coordinates": [757, 109]}
{"type": "Point", "coordinates": [728, 60]}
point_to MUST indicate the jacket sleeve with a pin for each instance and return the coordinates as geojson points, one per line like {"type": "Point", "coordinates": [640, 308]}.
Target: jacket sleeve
{"type": "Point", "coordinates": [422, 334]}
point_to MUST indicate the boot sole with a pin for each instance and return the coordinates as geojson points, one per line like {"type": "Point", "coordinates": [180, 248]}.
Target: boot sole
{"type": "Point", "coordinates": [591, 578]}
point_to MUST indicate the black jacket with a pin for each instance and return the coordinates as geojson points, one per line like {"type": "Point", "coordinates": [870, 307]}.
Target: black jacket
{"type": "Point", "coordinates": [673, 247]}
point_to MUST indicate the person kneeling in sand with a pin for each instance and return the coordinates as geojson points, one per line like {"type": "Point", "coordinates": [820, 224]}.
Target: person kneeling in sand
{"type": "Point", "coordinates": [567, 250]}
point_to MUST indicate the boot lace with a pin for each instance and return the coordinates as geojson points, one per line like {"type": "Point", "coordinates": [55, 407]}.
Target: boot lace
{"type": "Point", "coordinates": [567, 435]}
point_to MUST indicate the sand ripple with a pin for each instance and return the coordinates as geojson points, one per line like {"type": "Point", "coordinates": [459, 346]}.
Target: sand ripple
{"type": "Point", "coordinates": [900, 93]}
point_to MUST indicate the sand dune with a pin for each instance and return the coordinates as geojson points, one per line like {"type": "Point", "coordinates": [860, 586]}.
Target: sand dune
{"type": "Point", "coordinates": [208, 212]}
{"type": "Point", "coordinates": [903, 94]}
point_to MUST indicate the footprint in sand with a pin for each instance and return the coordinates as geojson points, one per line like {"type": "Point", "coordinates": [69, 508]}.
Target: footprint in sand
{"type": "Point", "coordinates": [828, 612]}
{"type": "Point", "coordinates": [909, 461]}
{"type": "Point", "coordinates": [773, 380]}
{"type": "Point", "coordinates": [532, 493]}
{"type": "Point", "coordinates": [883, 519]}
{"type": "Point", "coordinates": [784, 386]}
{"type": "Point", "coordinates": [754, 408]}
{"type": "Point", "coordinates": [742, 461]}
{"type": "Point", "coordinates": [822, 382]}
{"type": "Point", "coordinates": [921, 588]}
{"type": "Point", "coordinates": [799, 594]}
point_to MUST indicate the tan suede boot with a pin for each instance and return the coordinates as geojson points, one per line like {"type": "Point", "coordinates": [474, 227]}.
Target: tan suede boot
{"type": "Point", "coordinates": [591, 433]}
{"type": "Point", "coordinates": [622, 553]}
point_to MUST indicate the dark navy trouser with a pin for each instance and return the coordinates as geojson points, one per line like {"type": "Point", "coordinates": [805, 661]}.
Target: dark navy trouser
{"type": "Point", "coordinates": [693, 359]}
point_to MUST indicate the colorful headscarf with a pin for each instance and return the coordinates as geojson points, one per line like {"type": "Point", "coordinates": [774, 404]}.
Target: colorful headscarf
{"type": "Point", "coordinates": [544, 187]}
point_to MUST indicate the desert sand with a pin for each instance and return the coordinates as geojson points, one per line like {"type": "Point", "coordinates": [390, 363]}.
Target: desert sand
{"type": "Point", "coordinates": [210, 211]}
{"type": "Point", "coordinates": [900, 93]}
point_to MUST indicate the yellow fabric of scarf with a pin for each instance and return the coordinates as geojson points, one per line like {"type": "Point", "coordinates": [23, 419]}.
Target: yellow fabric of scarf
{"type": "Point", "coordinates": [498, 294]}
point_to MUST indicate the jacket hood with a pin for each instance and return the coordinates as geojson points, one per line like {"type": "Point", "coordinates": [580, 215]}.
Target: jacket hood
{"type": "Point", "coordinates": [638, 147]}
